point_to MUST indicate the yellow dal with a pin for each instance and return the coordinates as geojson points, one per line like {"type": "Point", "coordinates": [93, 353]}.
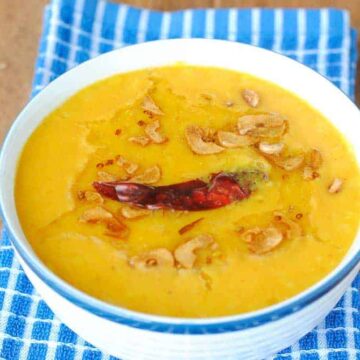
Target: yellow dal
{"type": "Point", "coordinates": [60, 159]}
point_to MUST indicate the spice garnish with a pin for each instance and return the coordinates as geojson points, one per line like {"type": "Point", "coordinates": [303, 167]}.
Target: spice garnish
{"type": "Point", "coordinates": [154, 258]}
{"type": "Point", "coordinates": [251, 97]}
{"type": "Point", "coordinates": [195, 137]}
{"type": "Point", "coordinates": [105, 176]}
{"type": "Point", "coordinates": [263, 240]}
{"type": "Point", "coordinates": [152, 132]}
{"type": "Point", "coordinates": [140, 140]}
{"type": "Point", "coordinates": [185, 253]}
{"type": "Point", "coordinates": [188, 227]}
{"type": "Point", "coordinates": [150, 107]}
{"type": "Point", "coordinates": [335, 186]}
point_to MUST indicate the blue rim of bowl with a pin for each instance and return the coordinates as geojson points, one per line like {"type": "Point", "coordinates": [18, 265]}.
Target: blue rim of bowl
{"type": "Point", "coordinates": [164, 324]}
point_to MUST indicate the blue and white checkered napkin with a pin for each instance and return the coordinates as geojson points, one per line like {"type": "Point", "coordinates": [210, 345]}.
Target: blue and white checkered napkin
{"type": "Point", "coordinates": [76, 30]}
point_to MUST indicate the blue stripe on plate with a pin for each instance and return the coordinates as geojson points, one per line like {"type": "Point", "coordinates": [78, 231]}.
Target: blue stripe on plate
{"type": "Point", "coordinates": [198, 23]}
{"type": "Point", "coordinates": [154, 26]}
{"type": "Point", "coordinates": [312, 29]}
{"type": "Point", "coordinates": [221, 21]}
{"type": "Point", "coordinates": [266, 30]}
{"type": "Point", "coordinates": [290, 30]}
{"type": "Point", "coordinates": [131, 24]}
{"type": "Point", "coordinates": [176, 25]}
{"type": "Point", "coordinates": [244, 26]}
{"type": "Point", "coordinates": [88, 15]}
{"type": "Point", "coordinates": [109, 21]}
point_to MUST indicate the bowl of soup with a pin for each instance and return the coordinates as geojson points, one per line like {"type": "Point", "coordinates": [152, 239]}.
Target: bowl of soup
{"type": "Point", "coordinates": [186, 199]}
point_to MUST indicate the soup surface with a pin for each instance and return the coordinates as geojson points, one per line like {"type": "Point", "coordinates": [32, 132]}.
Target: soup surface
{"type": "Point", "coordinates": [273, 208]}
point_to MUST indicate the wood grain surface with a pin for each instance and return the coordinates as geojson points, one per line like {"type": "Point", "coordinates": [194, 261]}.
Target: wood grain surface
{"type": "Point", "coordinates": [20, 27]}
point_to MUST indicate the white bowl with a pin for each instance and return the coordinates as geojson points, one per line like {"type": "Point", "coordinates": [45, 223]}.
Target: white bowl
{"type": "Point", "coordinates": [133, 335]}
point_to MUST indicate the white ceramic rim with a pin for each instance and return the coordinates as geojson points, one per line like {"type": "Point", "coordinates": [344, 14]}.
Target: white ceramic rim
{"type": "Point", "coordinates": [224, 54]}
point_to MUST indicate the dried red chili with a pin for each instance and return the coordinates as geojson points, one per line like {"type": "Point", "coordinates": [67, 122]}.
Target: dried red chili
{"type": "Point", "coordinates": [194, 195]}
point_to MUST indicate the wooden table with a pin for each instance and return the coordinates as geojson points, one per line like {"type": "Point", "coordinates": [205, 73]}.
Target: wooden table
{"type": "Point", "coordinates": [20, 27]}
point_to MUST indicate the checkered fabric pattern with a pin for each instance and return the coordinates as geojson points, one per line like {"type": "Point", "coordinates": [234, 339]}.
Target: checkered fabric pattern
{"type": "Point", "coordinates": [77, 30]}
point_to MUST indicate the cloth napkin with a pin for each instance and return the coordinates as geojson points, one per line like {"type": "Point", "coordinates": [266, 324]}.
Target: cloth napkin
{"type": "Point", "coordinates": [75, 31]}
